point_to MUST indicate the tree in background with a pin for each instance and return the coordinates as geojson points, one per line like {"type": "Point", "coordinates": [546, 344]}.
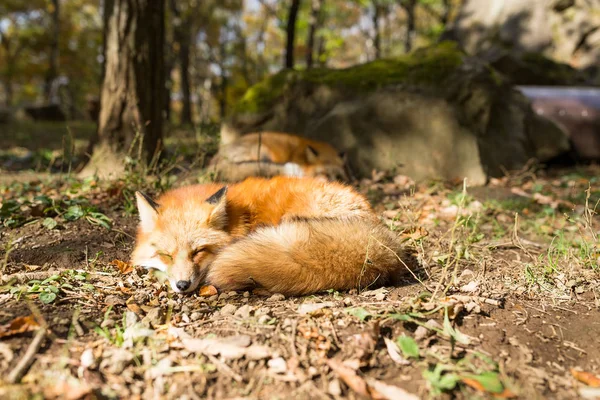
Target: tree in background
{"type": "Point", "coordinates": [54, 50]}
{"type": "Point", "coordinates": [131, 101]}
{"type": "Point", "coordinates": [314, 22]}
{"type": "Point", "coordinates": [182, 35]}
{"type": "Point", "coordinates": [291, 34]}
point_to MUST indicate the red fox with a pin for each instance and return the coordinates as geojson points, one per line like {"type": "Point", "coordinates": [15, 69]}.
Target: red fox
{"type": "Point", "coordinates": [275, 153]}
{"type": "Point", "coordinates": [288, 235]}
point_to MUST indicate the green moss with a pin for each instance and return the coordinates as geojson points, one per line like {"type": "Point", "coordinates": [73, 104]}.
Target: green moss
{"type": "Point", "coordinates": [553, 71]}
{"type": "Point", "coordinates": [429, 66]}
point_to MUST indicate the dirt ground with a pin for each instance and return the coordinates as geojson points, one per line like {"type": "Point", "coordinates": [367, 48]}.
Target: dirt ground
{"type": "Point", "coordinates": [505, 302]}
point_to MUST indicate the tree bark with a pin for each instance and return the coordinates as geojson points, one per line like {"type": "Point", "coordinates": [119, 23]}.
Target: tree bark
{"type": "Point", "coordinates": [315, 10]}
{"type": "Point", "coordinates": [321, 52]}
{"type": "Point", "coordinates": [132, 94]}
{"type": "Point", "coordinates": [377, 34]}
{"type": "Point", "coordinates": [182, 34]}
{"type": "Point", "coordinates": [8, 92]}
{"type": "Point", "coordinates": [409, 6]}
{"type": "Point", "coordinates": [52, 72]}
{"type": "Point", "coordinates": [291, 34]}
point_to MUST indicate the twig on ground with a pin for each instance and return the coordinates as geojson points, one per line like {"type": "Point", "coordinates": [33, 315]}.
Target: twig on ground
{"type": "Point", "coordinates": [21, 368]}
{"type": "Point", "coordinates": [224, 368]}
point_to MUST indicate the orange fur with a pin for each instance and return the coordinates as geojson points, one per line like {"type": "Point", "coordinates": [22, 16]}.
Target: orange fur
{"type": "Point", "coordinates": [266, 153]}
{"type": "Point", "coordinates": [289, 235]}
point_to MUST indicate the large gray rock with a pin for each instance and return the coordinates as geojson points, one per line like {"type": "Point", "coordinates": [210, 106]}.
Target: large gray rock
{"type": "Point", "coordinates": [435, 113]}
{"type": "Point", "coordinates": [563, 30]}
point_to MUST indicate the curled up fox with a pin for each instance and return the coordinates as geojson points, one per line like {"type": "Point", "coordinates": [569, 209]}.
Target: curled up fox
{"type": "Point", "coordinates": [288, 235]}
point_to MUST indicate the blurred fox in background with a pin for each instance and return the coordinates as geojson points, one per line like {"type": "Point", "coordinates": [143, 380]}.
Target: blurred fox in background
{"type": "Point", "coordinates": [276, 153]}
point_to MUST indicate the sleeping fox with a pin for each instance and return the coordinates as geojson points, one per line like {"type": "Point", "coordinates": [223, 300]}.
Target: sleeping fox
{"type": "Point", "coordinates": [288, 235]}
{"type": "Point", "coordinates": [275, 153]}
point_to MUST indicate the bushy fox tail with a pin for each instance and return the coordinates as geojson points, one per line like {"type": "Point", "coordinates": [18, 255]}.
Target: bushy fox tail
{"type": "Point", "coordinates": [306, 256]}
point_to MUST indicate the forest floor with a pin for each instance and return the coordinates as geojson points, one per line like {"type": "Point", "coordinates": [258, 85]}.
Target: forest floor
{"type": "Point", "coordinates": [505, 305]}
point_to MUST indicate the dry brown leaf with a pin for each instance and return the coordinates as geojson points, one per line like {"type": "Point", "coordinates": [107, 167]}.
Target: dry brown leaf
{"type": "Point", "coordinates": [414, 233]}
{"type": "Point", "coordinates": [350, 378]}
{"type": "Point", "coordinates": [587, 378]}
{"type": "Point", "coordinates": [380, 390]}
{"type": "Point", "coordinates": [135, 308]}
{"type": "Point", "coordinates": [394, 353]}
{"type": "Point", "coordinates": [19, 325]}
{"type": "Point", "coordinates": [124, 268]}
{"type": "Point", "coordinates": [207, 291]}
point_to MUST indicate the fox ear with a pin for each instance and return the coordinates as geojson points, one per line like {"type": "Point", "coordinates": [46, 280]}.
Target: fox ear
{"type": "Point", "coordinates": [218, 216]}
{"type": "Point", "coordinates": [148, 210]}
{"type": "Point", "coordinates": [311, 154]}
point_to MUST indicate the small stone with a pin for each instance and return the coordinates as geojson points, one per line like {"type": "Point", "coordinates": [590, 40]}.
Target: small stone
{"type": "Point", "coordinates": [421, 333]}
{"type": "Point", "coordinates": [262, 311]}
{"type": "Point", "coordinates": [87, 358]}
{"type": "Point", "coordinates": [130, 318]}
{"type": "Point", "coordinates": [228, 309]}
{"type": "Point", "coordinates": [348, 301]}
{"type": "Point", "coordinates": [224, 296]}
{"type": "Point", "coordinates": [246, 294]}
{"type": "Point", "coordinates": [107, 323]}
{"type": "Point", "coordinates": [185, 308]}
{"type": "Point", "coordinates": [243, 312]}
{"type": "Point", "coordinates": [232, 294]}
{"type": "Point", "coordinates": [264, 319]}
{"type": "Point", "coordinates": [277, 365]}
{"type": "Point", "coordinates": [195, 316]}
{"type": "Point", "coordinates": [334, 388]}
{"type": "Point", "coordinates": [113, 300]}
{"type": "Point", "coordinates": [154, 318]}
{"type": "Point", "coordinates": [579, 289]}
{"type": "Point", "coordinates": [276, 297]}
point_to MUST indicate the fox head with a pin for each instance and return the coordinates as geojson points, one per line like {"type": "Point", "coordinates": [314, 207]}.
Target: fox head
{"type": "Point", "coordinates": [181, 234]}
{"type": "Point", "coordinates": [323, 162]}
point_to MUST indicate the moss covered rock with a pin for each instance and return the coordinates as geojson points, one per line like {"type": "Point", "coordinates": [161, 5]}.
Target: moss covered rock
{"type": "Point", "coordinates": [435, 113]}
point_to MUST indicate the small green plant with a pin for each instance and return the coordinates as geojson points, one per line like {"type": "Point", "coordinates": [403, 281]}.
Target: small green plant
{"type": "Point", "coordinates": [115, 337]}
{"type": "Point", "coordinates": [408, 346]}
{"type": "Point", "coordinates": [51, 288]}
{"type": "Point", "coordinates": [359, 313]}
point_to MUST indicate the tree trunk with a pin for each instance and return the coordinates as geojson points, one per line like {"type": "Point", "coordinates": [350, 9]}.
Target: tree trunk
{"type": "Point", "coordinates": [377, 34]}
{"type": "Point", "coordinates": [409, 6]}
{"type": "Point", "coordinates": [321, 52]}
{"type": "Point", "coordinates": [8, 92]}
{"type": "Point", "coordinates": [182, 33]}
{"type": "Point", "coordinates": [446, 14]}
{"type": "Point", "coordinates": [54, 52]}
{"type": "Point", "coordinates": [168, 87]}
{"type": "Point", "coordinates": [315, 10]}
{"type": "Point", "coordinates": [224, 80]}
{"type": "Point", "coordinates": [291, 34]}
{"type": "Point", "coordinates": [132, 94]}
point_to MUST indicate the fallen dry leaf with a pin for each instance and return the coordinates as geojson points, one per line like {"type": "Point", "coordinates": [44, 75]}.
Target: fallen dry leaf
{"type": "Point", "coordinates": [207, 291]}
{"type": "Point", "coordinates": [415, 233]}
{"type": "Point", "coordinates": [135, 308]}
{"type": "Point", "coordinates": [19, 325]}
{"type": "Point", "coordinates": [505, 394]}
{"type": "Point", "coordinates": [394, 353]}
{"type": "Point", "coordinates": [124, 268]}
{"type": "Point", "coordinates": [311, 308]}
{"type": "Point", "coordinates": [350, 378]}
{"type": "Point", "coordinates": [380, 390]}
{"type": "Point", "coordinates": [588, 378]}
{"type": "Point", "coordinates": [372, 389]}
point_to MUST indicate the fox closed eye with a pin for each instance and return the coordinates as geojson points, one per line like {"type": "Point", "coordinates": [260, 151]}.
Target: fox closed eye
{"type": "Point", "coordinates": [198, 251]}
{"type": "Point", "coordinates": [163, 255]}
